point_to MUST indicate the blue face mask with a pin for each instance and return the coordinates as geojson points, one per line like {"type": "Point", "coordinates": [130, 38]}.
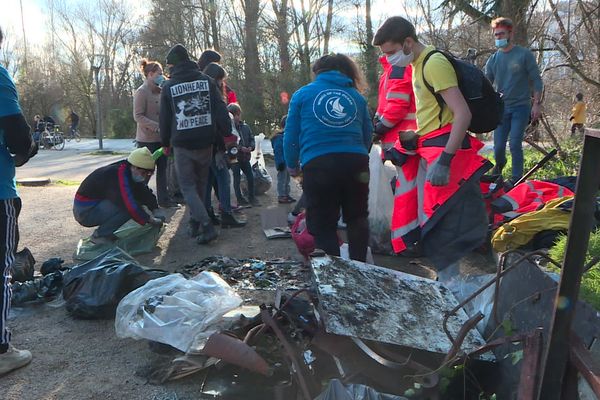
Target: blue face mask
{"type": "Point", "coordinates": [501, 43]}
{"type": "Point", "coordinates": [138, 178]}
{"type": "Point", "coordinates": [159, 80]}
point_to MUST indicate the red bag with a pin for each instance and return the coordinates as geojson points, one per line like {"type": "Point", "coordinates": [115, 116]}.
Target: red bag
{"type": "Point", "coordinates": [305, 242]}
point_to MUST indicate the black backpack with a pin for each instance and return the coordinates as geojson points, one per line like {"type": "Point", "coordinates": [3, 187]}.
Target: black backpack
{"type": "Point", "coordinates": [485, 103]}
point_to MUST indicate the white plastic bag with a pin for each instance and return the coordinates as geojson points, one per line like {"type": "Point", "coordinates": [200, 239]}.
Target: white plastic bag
{"type": "Point", "coordinates": [176, 311]}
{"type": "Point", "coordinates": [381, 203]}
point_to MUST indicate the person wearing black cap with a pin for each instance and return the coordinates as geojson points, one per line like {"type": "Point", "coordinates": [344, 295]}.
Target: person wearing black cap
{"type": "Point", "coordinates": [192, 114]}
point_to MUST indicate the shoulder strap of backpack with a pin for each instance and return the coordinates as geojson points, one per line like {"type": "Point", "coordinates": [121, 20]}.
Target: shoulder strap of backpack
{"type": "Point", "coordinates": [437, 96]}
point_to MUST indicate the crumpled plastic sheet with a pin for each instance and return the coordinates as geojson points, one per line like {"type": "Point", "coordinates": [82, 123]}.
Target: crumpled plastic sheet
{"type": "Point", "coordinates": [462, 286]}
{"type": "Point", "coordinates": [176, 311]}
{"type": "Point", "coordinates": [336, 390]}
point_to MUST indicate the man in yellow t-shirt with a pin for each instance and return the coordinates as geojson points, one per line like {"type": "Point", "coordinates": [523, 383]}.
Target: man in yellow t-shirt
{"type": "Point", "coordinates": [578, 115]}
{"type": "Point", "coordinates": [438, 206]}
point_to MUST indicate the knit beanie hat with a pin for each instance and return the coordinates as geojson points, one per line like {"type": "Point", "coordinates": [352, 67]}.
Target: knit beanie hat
{"type": "Point", "coordinates": [141, 158]}
{"type": "Point", "coordinates": [177, 54]}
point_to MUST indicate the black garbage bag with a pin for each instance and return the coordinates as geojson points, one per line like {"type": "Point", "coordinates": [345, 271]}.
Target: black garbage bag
{"type": "Point", "coordinates": [93, 289]}
{"type": "Point", "coordinates": [52, 265]}
{"type": "Point", "coordinates": [22, 269]}
{"type": "Point", "coordinates": [45, 287]}
{"type": "Point", "coordinates": [262, 180]}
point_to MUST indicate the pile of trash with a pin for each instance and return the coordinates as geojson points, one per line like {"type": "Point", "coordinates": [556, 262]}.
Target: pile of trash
{"type": "Point", "coordinates": [252, 274]}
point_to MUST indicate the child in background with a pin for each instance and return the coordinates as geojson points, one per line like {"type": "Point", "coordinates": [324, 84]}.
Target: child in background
{"type": "Point", "coordinates": [283, 176]}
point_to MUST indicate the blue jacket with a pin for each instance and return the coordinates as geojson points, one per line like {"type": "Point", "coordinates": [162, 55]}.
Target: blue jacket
{"type": "Point", "coordinates": [9, 105]}
{"type": "Point", "coordinates": [277, 143]}
{"type": "Point", "coordinates": [326, 116]}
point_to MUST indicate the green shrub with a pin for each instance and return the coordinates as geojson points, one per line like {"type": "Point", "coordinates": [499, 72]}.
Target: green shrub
{"type": "Point", "coordinates": [120, 123]}
{"type": "Point", "coordinates": [590, 283]}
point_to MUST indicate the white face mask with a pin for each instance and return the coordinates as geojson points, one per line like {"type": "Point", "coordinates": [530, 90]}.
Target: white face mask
{"type": "Point", "coordinates": [400, 59]}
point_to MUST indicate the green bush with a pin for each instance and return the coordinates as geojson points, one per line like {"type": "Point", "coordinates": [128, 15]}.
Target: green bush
{"type": "Point", "coordinates": [120, 123]}
{"type": "Point", "coordinates": [565, 164]}
{"type": "Point", "coordinates": [590, 283]}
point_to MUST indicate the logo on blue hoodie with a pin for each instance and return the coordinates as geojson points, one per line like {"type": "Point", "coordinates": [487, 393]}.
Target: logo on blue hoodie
{"type": "Point", "coordinates": [335, 108]}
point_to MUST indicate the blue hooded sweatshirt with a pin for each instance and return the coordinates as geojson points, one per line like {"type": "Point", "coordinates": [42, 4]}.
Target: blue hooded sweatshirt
{"type": "Point", "coordinates": [326, 116]}
{"type": "Point", "coordinates": [9, 105]}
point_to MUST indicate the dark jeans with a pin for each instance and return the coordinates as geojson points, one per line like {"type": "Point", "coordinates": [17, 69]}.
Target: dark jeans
{"type": "Point", "coordinates": [162, 193]}
{"type": "Point", "coordinates": [331, 182]}
{"type": "Point", "coordinates": [575, 128]}
{"type": "Point", "coordinates": [9, 239]}
{"type": "Point", "coordinates": [105, 215]}
{"type": "Point", "coordinates": [192, 172]}
{"type": "Point", "coordinates": [219, 178]}
{"type": "Point", "coordinates": [246, 168]}
{"type": "Point", "coordinates": [511, 129]}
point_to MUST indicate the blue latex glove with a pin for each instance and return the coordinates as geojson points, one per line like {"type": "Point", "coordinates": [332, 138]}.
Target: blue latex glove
{"type": "Point", "coordinates": [439, 172]}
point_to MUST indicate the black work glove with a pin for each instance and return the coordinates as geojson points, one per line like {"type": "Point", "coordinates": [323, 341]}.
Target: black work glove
{"type": "Point", "coordinates": [439, 172]}
{"type": "Point", "coordinates": [21, 159]}
{"type": "Point", "coordinates": [571, 118]}
{"type": "Point", "coordinates": [396, 157]}
{"type": "Point", "coordinates": [280, 167]}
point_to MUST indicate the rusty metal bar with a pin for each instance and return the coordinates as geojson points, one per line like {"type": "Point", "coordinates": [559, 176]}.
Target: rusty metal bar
{"type": "Point", "coordinates": [582, 360]}
{"type": "Point", "coordinates": [268, 320]}
{"type": "Point", "coordinates": [582, 219]}
{"type": "Point", "coordinates": [532, 356]}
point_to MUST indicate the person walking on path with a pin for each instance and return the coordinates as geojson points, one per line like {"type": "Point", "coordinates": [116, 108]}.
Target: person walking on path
{"type": "Point", "coordinates": [16, 148]}
{"type": "Point", "coordinates": [192, 114]}
{"type": "Point", "coordinates": [327, 135]}
{"type": "Point", "coordinates": [512, 69]}
{"type": "Point", "coordinates": [246, 146]}
{"type": "Point", "coordinates": [146, 111]}
{"type": "Point", "coordinates": [578, 115]}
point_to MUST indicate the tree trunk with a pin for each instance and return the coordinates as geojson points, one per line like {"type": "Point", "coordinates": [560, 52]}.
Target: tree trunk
{"type": "Point", "coordinates": [370, 57]}
{"type": "Point", "coordinates": [327, 32]}
{"type": "Point", "coordinates": [253, 78]}
{"type": "Point", "coordinates": [214, 27]}
{"type": "Point", "coordinates": [283, 42]}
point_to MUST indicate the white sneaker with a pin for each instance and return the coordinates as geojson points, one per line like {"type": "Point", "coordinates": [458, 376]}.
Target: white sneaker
{"type": "Point", "coordinates": [14, 359]}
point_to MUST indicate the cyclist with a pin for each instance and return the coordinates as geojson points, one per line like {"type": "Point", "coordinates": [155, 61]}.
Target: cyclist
{"type": "Point", "coordinates": [74, 119]}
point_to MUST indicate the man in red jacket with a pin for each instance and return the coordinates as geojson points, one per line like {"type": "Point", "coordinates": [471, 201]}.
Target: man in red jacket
{"type": "Point", "coordinates": [396, 111]}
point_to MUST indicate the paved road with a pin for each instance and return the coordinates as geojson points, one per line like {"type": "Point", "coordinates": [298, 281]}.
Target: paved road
{"type": "Point", "coordinates": [75, 162]}
{"type": "Point", "coordinates": [78, 160]}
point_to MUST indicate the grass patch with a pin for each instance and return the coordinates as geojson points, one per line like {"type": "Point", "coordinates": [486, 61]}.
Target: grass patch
{"type": "Point", "coordinates": [107, 153]}
{"type": "Point", "coordinates": [66, 182]}
{"type": "Point", "coordinates": [590, 282]}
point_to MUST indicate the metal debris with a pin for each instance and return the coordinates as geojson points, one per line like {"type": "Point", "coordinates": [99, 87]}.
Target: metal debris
{"type": "Point", "coordinates": [250, 274]}
{"type": "Point", "coordinates": [369, 302]}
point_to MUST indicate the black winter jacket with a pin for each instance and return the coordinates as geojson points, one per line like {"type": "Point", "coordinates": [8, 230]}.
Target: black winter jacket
{"type": "Point", "coordinates": [114, 183]}
{"type": "Point", "coordinates": [192, 111]}
{"type": "Point", "coordinates": [246, 140]}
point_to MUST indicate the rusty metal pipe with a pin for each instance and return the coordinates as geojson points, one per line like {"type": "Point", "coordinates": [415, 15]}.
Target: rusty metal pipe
{"type": "Point", "coordinates": [270, 321]}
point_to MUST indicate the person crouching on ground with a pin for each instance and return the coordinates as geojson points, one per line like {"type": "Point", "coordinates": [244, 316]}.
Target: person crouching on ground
{"type": "Point", "coordinates": [328, 133]}
{"type": "Point", "coordinates": [245, 147]}
{"type": "Point", "coordinates": [283, 176]}
{"type": "Point", "coordinates": [116, 193]}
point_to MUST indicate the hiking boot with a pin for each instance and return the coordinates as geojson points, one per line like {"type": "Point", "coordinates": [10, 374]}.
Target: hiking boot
{"type": "Point", "coordinates": [194, 228]}
{"type": "Point", "coordinates": [108, 239]}
{"type": "Point", "coordinates": [285, 200]}
{"type": "Point", "coordinates": [254, 202]}
{"type": "Point", "coordinates": [208, 235]}
{"type": "Point", "coordinates": [13, 359]}
{"type": "Point", "coordinates": [243, 202]}
{"type": "Point", "coordinates": [228, 220]}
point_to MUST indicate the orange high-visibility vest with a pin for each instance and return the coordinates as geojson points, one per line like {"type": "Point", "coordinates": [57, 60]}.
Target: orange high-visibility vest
{"type": "Point", "coordinates": [396, 107]}
{"type": "Point", "coordinates": [416, 201]}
